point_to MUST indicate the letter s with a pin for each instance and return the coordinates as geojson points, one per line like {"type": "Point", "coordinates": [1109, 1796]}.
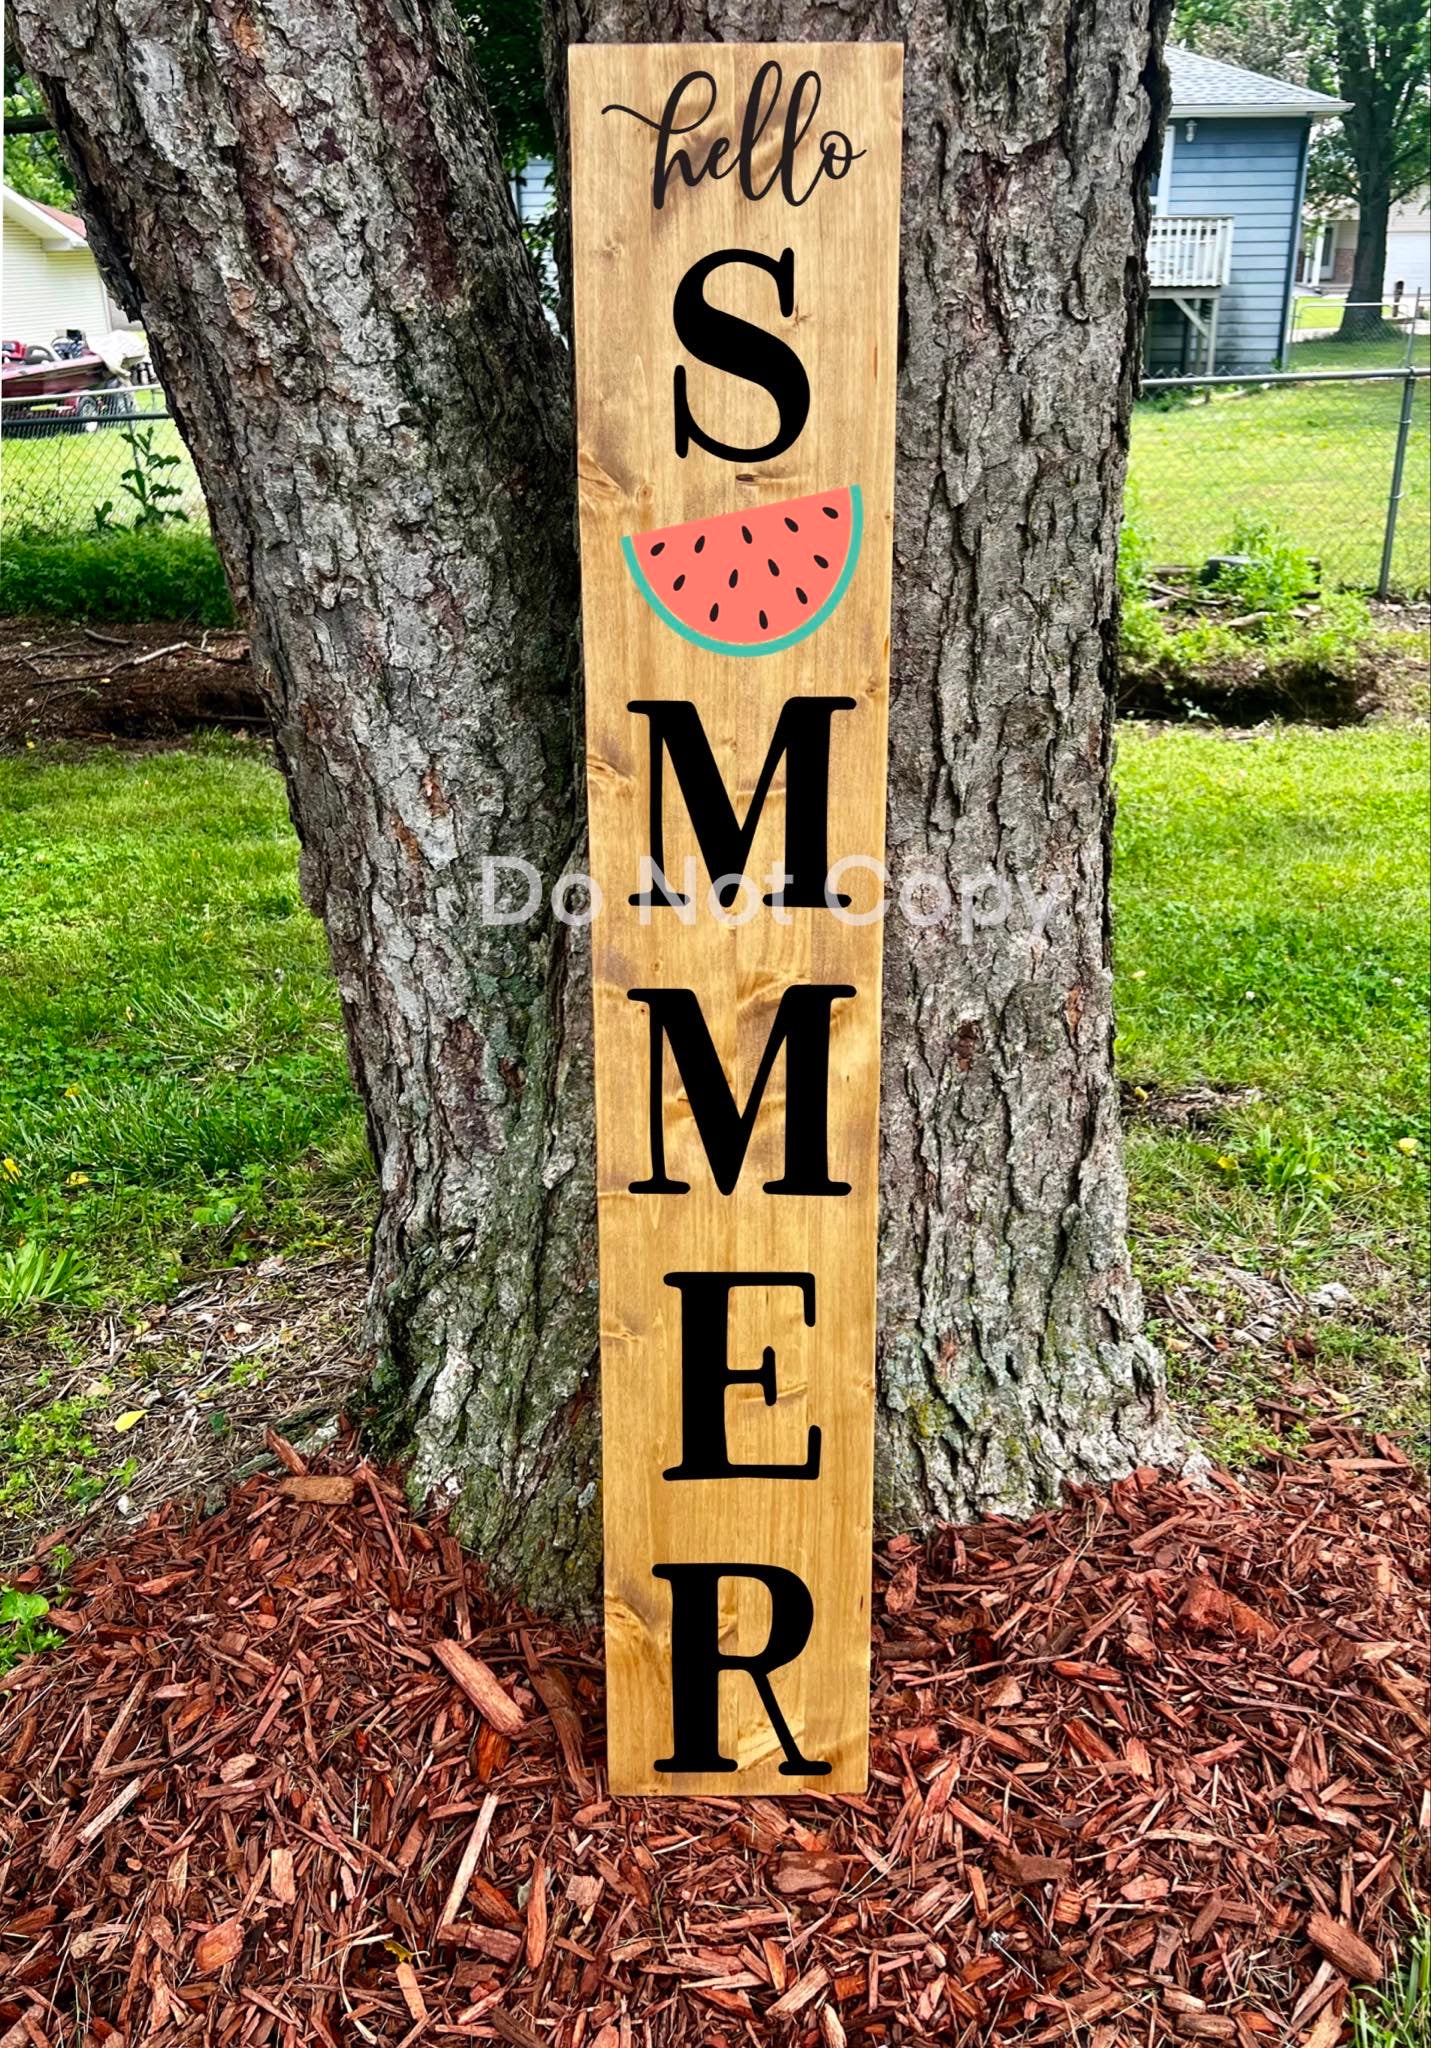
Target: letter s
{"type": "Point", "coordinates": [742, 350]}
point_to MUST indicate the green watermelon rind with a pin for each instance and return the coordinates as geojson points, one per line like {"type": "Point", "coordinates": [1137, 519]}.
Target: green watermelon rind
{"type": "Point", "coordinates": [752, 647]}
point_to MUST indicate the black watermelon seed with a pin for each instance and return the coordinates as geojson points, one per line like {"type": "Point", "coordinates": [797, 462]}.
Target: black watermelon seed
{"type": "Point", "coordinates": [734, 578]}
{"type": "Point", "coordinates": [656, 549]}
{"type": "Point", "coordinates": [678, 582]}
{"type": "Point", "coordinates": [700, 542]}
{"type": "Point", "coordinates": [820, 562]}
{"type": "Point", "coordinates": [801, 595]}
{"type": "Point", "coordinates": [773, 567]}
{"type": "Point", "coordinates": [764, 623]}
{"type": "Point", "coordinates": [715, 613]}
{"type": "Point", "coordinates": [794, 528]}
{"type": "Point", "coordinates": [828, 510]}
{"type": "Point", "coordinates": [745, 535]}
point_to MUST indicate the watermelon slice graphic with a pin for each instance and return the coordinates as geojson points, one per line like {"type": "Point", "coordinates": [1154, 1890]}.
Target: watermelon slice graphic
{"type": "Point", "coordinates": [751, 582]}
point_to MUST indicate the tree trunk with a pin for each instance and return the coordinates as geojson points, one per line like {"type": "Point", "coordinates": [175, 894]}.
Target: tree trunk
{"type": "Point", "coordinates": [304, 202]}
{"type": "Point", "coordinates": [1376, 59]}
{"type": "Point", "coordinates": [1361, 317]}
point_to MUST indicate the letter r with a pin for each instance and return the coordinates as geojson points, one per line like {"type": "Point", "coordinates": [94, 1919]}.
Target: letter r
{"type": "Point", "coordinates": [697, 1662]}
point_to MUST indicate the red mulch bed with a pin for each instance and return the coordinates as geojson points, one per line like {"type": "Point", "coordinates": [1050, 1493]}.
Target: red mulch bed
{"type": "Point", "coordinates": [1146, 1770]}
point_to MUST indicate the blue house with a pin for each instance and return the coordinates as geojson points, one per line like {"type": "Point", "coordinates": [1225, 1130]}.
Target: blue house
{"type": "Point", "coordinates": [1222, 248]}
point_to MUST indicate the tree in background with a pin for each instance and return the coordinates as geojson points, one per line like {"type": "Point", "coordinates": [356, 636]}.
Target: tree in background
{"type": "Point", "coordinates": [506, 38]}
{"type": "Point", "coordinates": [1266, 36]}
{"type": "Point", "coordinates": [306, 203]}
{"type": "Point", "coordinates": [1373, 53]}
{"type": "Point", "coordinates": [34, 164]}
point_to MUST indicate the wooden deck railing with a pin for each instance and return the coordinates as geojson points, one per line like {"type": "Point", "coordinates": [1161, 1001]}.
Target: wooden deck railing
{"type": "Point", "coordinates": [1189, 252]}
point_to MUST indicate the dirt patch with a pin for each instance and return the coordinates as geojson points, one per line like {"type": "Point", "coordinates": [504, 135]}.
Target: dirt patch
{"type": "Point", "coordinates": [67, 681]}
{"type": "Point", "coordinates": [1145, 1769]}
{"type": "Point", "coordinates": [1200, 1107]}
{"type": "Point", "coordinates": [1252, 1358]}
{"type": "Point", "coordinates": [1403, 687]}
{"type": "Point", "coordinates": [1383, 677]}
{"type": "Point", "coordinates": [106, 1417]}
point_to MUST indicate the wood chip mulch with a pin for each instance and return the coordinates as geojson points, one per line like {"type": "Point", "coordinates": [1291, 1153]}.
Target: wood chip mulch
{"type": "Point", "coordinates": [1147, 1769]}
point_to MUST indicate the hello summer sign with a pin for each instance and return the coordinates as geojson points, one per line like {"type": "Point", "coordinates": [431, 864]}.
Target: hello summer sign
{"type": "Point", "coordinates": [735, 214]}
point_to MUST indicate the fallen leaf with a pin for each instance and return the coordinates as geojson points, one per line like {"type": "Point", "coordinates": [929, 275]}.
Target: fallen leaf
{"type": "Point", "coordinates": [901, 1593]}
{"type": "Point", "coordinates": [411, 1992]}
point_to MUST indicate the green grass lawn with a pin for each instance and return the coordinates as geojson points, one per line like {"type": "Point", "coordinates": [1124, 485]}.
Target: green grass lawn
{"type": "Point", "coordinates": [175, 1093]}
{"type": "Point", "coordinates": [1314, 315]}
{"type": "Point", "coordinates": [1398, 2013]}
{"type": "Point", "coordinates": [174, 1069]}
{"type": "Point", "coordinates": [1314, 459]}
{"type": "Point", "coordinates": [53, 483]}
{"type": "Point", "coordinates": [1271, 900]}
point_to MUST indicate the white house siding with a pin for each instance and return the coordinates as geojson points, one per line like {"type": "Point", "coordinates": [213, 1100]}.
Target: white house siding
{"type": "Point", "coordinates": [533, 195]}
{"type": "Point", "coordinates": [534, 189]}
{"type": "Point", "coordinates": [44, 291]}
{"type": "Point", "coordinates": [1250, 169]}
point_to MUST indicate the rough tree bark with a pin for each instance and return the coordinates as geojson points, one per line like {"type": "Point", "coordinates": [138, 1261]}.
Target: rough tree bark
{"type": "Point", "coordinates": [303, 201]}
{"type": "Point", "coordinates": [1361, 318]}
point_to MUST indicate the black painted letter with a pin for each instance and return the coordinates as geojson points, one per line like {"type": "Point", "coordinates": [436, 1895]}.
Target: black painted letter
{"type": "Point", "coordinates": [802, 739]}
{"type": "Point", "coordinates": [802, 1028]}
{"type": "Point", "coordinates": [706, 1373]}
{"type": "Point", "coordinates": [742, 350]}
{"type": "Point", "coordinates": [697, 1661]}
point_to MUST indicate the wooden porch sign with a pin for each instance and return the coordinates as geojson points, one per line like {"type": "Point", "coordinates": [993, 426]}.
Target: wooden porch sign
{"type": "Point", "coordinates": [735, 216]}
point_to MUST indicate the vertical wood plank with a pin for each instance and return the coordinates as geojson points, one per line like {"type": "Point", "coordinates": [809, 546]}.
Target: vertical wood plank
{"type": "Point", "coordinates": [630, 256]}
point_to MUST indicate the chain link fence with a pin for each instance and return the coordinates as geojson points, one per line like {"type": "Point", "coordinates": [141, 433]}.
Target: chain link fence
{"type": "Point", "coordinates": [85, 462]}
{"type": "Point", "coordinates": [1336, 459]}
{"type": "Point", "coordinates": [1333, 450]}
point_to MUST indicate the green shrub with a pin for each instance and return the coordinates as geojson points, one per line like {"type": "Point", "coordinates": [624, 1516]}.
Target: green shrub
{"type": "Point", "coordinates": [1140, 628]}
{"type": "Point", "coordinates": [125, 578]}
{"type": "Point", "coordinates": [1268, 645]}
{"type": "Point", "coordinates": [21, 1632]}
{"type": "Point", "coordinates": [1273, 579]}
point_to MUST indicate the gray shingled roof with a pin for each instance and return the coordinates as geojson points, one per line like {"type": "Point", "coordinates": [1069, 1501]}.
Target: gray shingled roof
{"type": "Point", "coordinates": [1203, 82]}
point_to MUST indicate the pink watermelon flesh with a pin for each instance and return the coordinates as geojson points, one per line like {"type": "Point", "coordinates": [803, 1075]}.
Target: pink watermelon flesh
{"type": "Point", "coordinates": [749, 577]}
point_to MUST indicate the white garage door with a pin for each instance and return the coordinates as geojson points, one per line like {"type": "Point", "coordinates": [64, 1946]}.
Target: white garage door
{"type": "Point", "coordinates": [1408, 259]}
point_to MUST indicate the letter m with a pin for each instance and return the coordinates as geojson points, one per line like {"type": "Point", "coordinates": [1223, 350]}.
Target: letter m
{"type": "Point", "coordinates": [802, 739]}
{"type": "Point", "coordinates": [802, 1030]}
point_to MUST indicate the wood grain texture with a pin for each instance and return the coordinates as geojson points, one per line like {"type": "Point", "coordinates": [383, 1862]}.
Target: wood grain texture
{"type": "Point", "coordinates": [628, 259]}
